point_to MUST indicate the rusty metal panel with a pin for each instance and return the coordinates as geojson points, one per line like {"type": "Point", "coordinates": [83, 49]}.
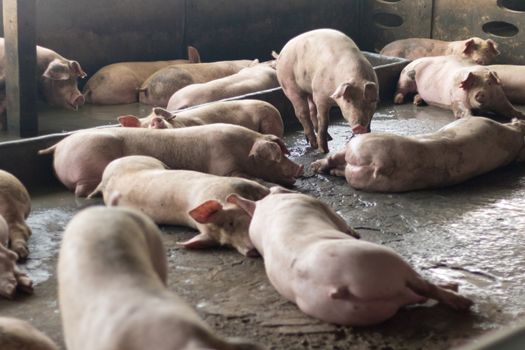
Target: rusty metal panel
{"type": "Point", "coordinates": [500, 20]}
{"type": "Point", "coordinates": [389, 20]}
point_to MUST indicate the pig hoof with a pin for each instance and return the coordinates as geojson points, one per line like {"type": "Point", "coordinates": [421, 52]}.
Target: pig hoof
{"type": "Point", "coordinates": [418, 101]}
{"type": "Point", "coordinates": [318, 166]}
{"type": "Point", "coordinates": [20, 248]}
{"type": "Point", "coordinates": [398, 99]}
{"type": "Point", "coordinates": [460, 303]}
{"type": "Point", "coordinates": [24, 283]}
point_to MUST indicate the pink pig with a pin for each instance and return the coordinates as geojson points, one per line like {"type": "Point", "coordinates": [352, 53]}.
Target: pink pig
{"type": "Point", "coordinates": [323, 68]}
{"type": "Point", "coordinates": [312, 258]}
{"type": "Point", "coordinates": [16, 334]}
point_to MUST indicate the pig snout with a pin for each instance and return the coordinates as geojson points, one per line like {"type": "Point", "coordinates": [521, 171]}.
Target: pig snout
{"type": "Point", "coordinates": [360, 129]}
{"type": "Point", "coordinates": [157, 123]}
{"type": "Point", "coordinates": [78, 101]}
{"type": "Point", "coordinates": [480, 61]}
{"type": "Point", "coordinates": [481, 97]}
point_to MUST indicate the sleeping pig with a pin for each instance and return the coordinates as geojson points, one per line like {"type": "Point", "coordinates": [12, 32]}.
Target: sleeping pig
{"type": "Point", "coordinates": [322, 68]}
{"type": "Point", "coordinates": [219, 149]}
{"type": "Point", "coordinates": [312, 258]}
{"type": "Point", "coordinates": [183, 197]}
{"type": "Point", "coordinates": [256, 115]}
{"type": "Point", "coordinates": [475, 49]}
{"type": "Point", "coordinates": [457, 152]}
{"type": "Point", "coordinates": [463, 87]}
{"type": "Point", "coordinates": [112, 272]}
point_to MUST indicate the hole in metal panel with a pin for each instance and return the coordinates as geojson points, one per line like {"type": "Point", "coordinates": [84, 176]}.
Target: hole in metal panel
{"type": "Point", "coordinates": [512, 5]}
{"type": "Point", "coordinates": [500, 28]}
{"type": "Point", "coordinates": [388, 20]}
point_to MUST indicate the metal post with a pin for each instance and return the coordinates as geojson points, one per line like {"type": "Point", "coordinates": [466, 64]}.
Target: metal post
{"type": "Point", "coordinates": [20, 67]}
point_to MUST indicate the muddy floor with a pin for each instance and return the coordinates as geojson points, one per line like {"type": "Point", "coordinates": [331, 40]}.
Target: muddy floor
{"type": "Point", "coordinates": [470, 233]}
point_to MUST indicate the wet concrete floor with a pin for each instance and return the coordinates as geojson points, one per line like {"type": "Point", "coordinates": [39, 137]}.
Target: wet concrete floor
{"type": "Point", "coordinates": [470, 233]}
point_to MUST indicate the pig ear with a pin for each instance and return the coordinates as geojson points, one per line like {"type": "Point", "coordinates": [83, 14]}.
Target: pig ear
{"type": "Point", "coordinates": [193, 55]}
{"type": "Point", "coordinates": [279, 189]}
{"type": "Point", "coordinates": [493, 77]}
{"type": "Point", "coordinates": [200, 241]}
{"type": "Point", "coordinates": [75, 68]}
{"type": "Point", "coordinates": [254, 62]}
{"type": "Point", "coordinates": [468, 81]}
{"type": "Point", "coordinates": [247, 205]}
{"type": "Point", "coordinates": [164, 113]}
{"type": "Point", "coordinates": [370, 92]}
{"type": "Point", "coordinates": [280, 142]}
{"type": "Point", "coordinates": [493, 47]}
{"type": "Point", "coordinates": [266, 150]}
{"type": "Point", "coordinates": [129, 121]}
{"type": "Point", "coordinates": [343, 90]}
{"type": "Point", "coordinates": [469, 46]}
{"type": "Point", "coordinates": [203, 213]}
{"type": "Point", "coordinates": [57, 70]}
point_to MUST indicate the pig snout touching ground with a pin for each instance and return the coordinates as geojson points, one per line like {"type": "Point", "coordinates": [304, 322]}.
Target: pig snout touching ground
{"type": "Point", "coordinates": [161, 85]}
{"type": "Point", "coordinates": [219, 149]}
{"type": "Point", "coordinates": [463, 88]}
{"type": "Point", "coordinates": [15, 205]}
{"type": "Point", "coordinates": [457, 152]}
{"type": "Point", "coordinates": [512, 81]}
{"type": "Point", "coordinates": [323, 68]}
{"type": "Point", "coordinates": [251, 79]}
{"type": "Point", "coordinates": [256, 115]}
{"type": "Point", "coordinates": [11, 278]}
{"type": "Point", "coordinates": [16, 334]}
{"type": "Point", "coordinates": [119, 83]}
{"type": "Point", "coordinates": [112, 272]}
{"type": "Point", "coordinates": [475, 49]}
{"type": "Point", "coordinates": [183, 197]}
{"type": "Point", "coordinates": [312, 259]}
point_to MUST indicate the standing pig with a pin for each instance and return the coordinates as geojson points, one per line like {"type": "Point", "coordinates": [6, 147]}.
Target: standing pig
{"type": "Point", "coordinates": [512, 81]}
{"type": "Point", "coordinates": [312, 260]}
{"type": "Point", "coordinates": [119, 83]}
{"type": "Point", "coordinates": [457, 152]}
{"type": "Point", "coordinates": [463, 87]}
{"type": "Point", "coordinates": [16, 334]}
{"type": "Point", "coordinates": [251, 79]}
{"type": "Point", "coordinates": [219, 149]}
{"type": "Point", "coordinates": [255, 115]}
{"type": "Point", "coordinates": [57, 78]}
{"type": "Point", "coordinates": [322, 68]}
{"type": "Point", "coordinates": [159, 87]}
{"type": "Point", "coordinates": [183, 197]}
{"type": "Point", "coordinates": [475, 49]}
{"type": "Point", "coordinates": [15, 205]}
{"type": "Point", "coordinates": [112, 273]}
{"type": "Point", "coordinates": [11, 278]}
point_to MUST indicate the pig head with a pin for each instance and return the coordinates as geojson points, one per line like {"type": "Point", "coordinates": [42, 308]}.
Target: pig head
{"type": "Point", "coordinates": [159, 118]}
{"type": "Point", "coordinates": [478, 50]}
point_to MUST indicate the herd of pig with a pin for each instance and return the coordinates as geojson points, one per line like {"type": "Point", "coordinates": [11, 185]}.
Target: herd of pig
{"type": "Point", "coordinates": [196, 168]}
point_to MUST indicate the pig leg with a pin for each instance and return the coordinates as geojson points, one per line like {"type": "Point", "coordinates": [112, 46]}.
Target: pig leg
{"type": "Point", "coordinates": [333, 164]}
{"type": "Point", "coordinates": [418, 101]}
{"type": "Point", "coordinates": [18, 237]}
{"type": "Point", "coordinates": [323, 117]}
{"type": "Point", "coordinates": [460, 110]}
{"type": "Point", "coordinates": [444, 295]}
{"type": "Point", "coordinates": [313, 116]}
{"type": "Point", "coordinates": [302, 111]}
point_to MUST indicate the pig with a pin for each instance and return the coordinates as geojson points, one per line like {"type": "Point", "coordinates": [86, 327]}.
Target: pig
{"type": "Point", "coordinates": [119, 83]}
{"type": "Point", "coordinates": [16, 334]}
{"type": "Point", "coordinates": [112, 275]}
{"type": "Point", "coordinates": [512, 79]}
{"type": "Point", "coordinates": [11, 278]}
{"type": "Point", "coordinates": [475, 49]}
{"type": "Point", "coordinates": [57, 79]}
{"type": "Point", "coordinates": [159, 87]}
{"type": "Point", "coordinates": [247, 80]}
{"type": "Point", "coordinates": [312, 258]}
{"type": "Point", "coordinates": [219, 149]}
{"type": "Point", "coordinates": [183, 197]}
{"type": "Point", "coordinates": [455, 153]}
{"type": "Point", "coordinates": [15, 205]}
{"type": "Point", "coordinates": [256, 115]}
{"type": "Point", "coordinates": [463, 86]}
{"type": "Point", "coordinates": [322, 68]}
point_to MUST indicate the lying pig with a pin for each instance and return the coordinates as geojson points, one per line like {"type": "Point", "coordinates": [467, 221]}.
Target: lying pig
{"type": "Point", "coordinates": [256, 115]}
{"type": "Point", "coordinates": [11, 278]}
{"type": "Point", "coordinates": [512, 81]}
{"type": "Point", "coordinates": [16, 334]}
{"type": "Point", "coordinates": [312, 259]}
{"type": "Point", "coordinates": [463, 87]}
{"type": "Point", "coordinates": [251, 79]}
{"type": "Point", "coordinates": [183, 197]}
{"type": "Point", "coordinates": [475, 49]}
{"type": "Point", "coordinates": [457, 152]}
{"type": "Point", "coordinates": [57, 78]}
{"type": "Point", "coordinates": [119, 83]}
{"type": "Point", "coordinates": [112, 273]}
{"type": "Point", "coordinates": [159, 87]}
{"type": "Point", "coordinates": [322, 68]}
{"type": "Point", "coordinates": [219, 149]}
{"type": "Point", "coordinates": [15, 205]}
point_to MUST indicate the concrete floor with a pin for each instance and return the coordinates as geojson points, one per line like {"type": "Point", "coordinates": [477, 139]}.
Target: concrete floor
{"type": "Point", "coordinates": [471, 233]}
